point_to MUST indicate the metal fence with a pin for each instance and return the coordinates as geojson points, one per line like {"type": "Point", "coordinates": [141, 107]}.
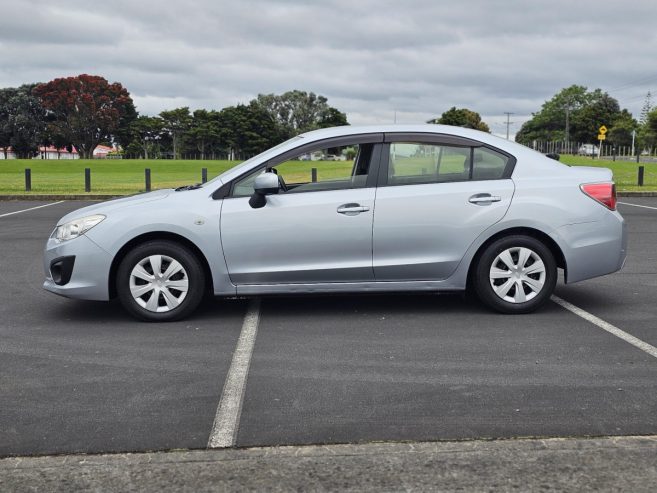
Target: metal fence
{"type": "Point", "coordinates": [607, 150]}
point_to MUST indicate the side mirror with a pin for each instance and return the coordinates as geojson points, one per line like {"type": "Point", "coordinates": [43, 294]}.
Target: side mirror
{"type": "Point", "coordinates": [265, 184]}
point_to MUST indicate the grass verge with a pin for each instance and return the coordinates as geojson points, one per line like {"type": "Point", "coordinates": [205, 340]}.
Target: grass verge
{"type": "Point", "coordinates": [127, 176]}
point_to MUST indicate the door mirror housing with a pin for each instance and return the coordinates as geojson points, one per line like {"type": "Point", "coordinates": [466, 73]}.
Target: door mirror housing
{"type": "Point", "coordinates": [265, 184]}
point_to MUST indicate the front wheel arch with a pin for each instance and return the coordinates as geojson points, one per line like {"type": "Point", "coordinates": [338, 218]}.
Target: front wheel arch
{"type": "Point", "coordinates": [158, 235]}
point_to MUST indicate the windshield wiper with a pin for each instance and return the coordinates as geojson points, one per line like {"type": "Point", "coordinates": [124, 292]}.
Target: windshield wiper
{"type": "Point", "coordinates": [189, 187]}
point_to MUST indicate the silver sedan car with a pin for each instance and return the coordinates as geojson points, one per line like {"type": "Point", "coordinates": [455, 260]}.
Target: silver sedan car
{"type": "Point", "coordinates": [404, 208]}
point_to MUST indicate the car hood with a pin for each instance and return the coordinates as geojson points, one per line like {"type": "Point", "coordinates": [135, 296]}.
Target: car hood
{"type": "Point", "coordinates": [115, 204]}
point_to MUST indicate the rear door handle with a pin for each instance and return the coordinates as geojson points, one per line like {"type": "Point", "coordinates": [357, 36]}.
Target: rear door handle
{"type": "Point", "coordinates": [484, 198]}
{"type": "Point", "coordinates": [352, 209]}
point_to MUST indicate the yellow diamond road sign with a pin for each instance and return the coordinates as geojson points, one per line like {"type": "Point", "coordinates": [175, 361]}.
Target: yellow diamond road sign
{"type": "Point", "coordinates": [603, 130]}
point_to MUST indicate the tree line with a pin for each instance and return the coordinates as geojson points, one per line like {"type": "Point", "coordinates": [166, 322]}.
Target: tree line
{"type": "Point", "coordinates": [86, 110]}
{"type": "Point", "coordinates": [575, 114]}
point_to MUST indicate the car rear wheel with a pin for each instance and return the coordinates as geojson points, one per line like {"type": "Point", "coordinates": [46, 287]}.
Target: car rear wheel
{"type": "Point", "coordinates": [515, 274]}
{"type": "Point", "coordinates": [160, 281]}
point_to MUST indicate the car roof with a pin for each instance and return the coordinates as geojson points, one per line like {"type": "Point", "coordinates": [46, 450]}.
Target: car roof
{"type": "Point", "coordinates": [510, 147]}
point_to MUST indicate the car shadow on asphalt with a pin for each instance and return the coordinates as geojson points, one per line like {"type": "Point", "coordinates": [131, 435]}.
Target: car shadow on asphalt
{"type": "Point", "coordinates": [80, 311]}
{"type": "Point", "coordinates": [397, 303]}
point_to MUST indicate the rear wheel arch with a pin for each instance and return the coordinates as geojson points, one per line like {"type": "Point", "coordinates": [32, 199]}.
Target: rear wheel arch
{"type": "Point", "coordinates": [158, 235]}
{"type": "Point", "coordinates": [544, 238]}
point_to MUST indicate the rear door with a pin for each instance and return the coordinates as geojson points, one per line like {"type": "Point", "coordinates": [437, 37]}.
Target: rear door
{"type": "Point", "coordinates": [436, 195]}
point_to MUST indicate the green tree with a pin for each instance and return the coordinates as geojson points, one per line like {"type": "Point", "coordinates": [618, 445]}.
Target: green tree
{"type": "Point", "coordinates": [332, 117]}
{"type": "Point", "coordinates": [123, 133]}
{"type": "Point", "coordinates": [621, 130]}
{"type": "Point", "coordinates": [5, 129]}
{"type": "Point", "coordinates": [600, 109]}
{"type": "Point", "coordinates": [647, 134]}
{"type": "Point", "coordinates": [85, 109]}
{"type": "Point", "coordinates": [296, 112]}
{"type": "Point", "coordinates": [204, 131]}
{"type": "Point", "coordinates": [574, 114]}
{"type": "Point", "coordinates": [646, 109]}
{"type": "Point", "coordinates": [247, 130]}
{"type": "Point", "coordinates": [57, 140]}
{"type": "Point", "coordinates": [146, 132]}
{"type": "Point", "coordinates": [22, 121]}
{"type": "Point", "coordinates": [461, 117]}
{"type": "Point", "coordinates": [176, 124]}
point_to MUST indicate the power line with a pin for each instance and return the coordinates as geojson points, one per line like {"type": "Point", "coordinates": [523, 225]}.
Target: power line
{"type": "Point", "coordinates": [635, 83]}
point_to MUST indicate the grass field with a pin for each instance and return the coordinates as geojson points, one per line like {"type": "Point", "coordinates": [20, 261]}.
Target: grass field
{"type": "Point", "coordinates": [625, 172]}
{"type": "Point", "coordinates": [127, 176]}
{"type": "Point", "coordinates": [107, 176]}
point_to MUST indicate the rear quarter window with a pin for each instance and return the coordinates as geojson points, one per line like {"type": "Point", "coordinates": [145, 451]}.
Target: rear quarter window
{"type": "Point", "coordinates": [488, 164]}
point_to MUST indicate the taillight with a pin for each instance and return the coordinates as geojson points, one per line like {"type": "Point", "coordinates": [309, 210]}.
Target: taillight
{"type": "Point", "coordinates": [605, 193]}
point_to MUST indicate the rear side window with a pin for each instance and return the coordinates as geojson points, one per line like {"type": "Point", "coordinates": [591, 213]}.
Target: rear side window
{"type": "Point", "coordinates": [488, 164]}
{"type": "Point", "coordinates": [412, 163]}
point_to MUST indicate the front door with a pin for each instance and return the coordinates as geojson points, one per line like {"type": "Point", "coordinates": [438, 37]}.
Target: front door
{"type": "Point", "coordinates": [317, 229]}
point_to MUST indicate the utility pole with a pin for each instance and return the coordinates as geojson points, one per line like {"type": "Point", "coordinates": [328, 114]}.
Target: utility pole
{"type": "Point", "coordinates": [508, 123]}
{"type": "Point", "coordinates": [569, 103]}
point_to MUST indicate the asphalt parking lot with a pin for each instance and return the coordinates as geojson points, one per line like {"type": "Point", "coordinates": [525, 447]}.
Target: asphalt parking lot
{"type": "Point", "coordinates": [84, 377]}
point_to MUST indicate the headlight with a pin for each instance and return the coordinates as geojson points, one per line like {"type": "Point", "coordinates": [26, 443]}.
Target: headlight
{"type": "Point", "coordinates": [75, 228]}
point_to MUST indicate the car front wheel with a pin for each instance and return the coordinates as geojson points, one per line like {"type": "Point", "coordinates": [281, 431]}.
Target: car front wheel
{"type": "Point", "coordinates": [515, 274]}
{"type": "Point", "coordinates": [160, 281]}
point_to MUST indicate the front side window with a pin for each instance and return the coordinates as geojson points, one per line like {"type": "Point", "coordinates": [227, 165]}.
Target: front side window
{"type": "Point", "coordinates": [412, 163]}
{"type": "Point", "coordinates": [334, 168]}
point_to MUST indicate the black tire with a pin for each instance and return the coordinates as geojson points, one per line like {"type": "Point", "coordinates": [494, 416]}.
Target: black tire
{"type": "Point", "coordinates": [482, 275]}
{"type": "Point", "coordinates": [192, 272]}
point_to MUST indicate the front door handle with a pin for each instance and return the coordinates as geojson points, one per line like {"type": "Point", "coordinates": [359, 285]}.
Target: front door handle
{"type": "Point", "coordinates": [352, 209]}
{"type": "Point", "coordinates": [484, 198]}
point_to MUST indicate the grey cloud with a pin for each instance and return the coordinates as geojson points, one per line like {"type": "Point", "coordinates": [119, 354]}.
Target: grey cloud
{"type": "Point", "coordinates": [370, 58]}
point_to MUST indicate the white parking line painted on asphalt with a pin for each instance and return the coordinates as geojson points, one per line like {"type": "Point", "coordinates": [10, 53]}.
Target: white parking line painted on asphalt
{"type": "Point", "coordinates": [227, 419]}
{"type": "Point", "coordinates": [637, 205]}
{"type": "Point", "coordinates": [31, 208]}
{"type": "Point", "coordinates": [612, 329]}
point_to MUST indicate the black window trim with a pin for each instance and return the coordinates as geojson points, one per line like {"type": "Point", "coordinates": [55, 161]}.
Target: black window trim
{"type": "Point", "coordinates": [376, 138]}
{"type": "Point", "coordinates": [437, 139]}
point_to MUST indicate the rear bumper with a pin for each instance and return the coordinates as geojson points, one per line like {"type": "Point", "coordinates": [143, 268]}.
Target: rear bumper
{"type": "Point", "coordinates": [594, 248]}
{"type": "Point", "coordinates": [89, 277]}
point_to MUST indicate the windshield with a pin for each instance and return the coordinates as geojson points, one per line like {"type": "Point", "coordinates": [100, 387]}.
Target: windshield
{"type": "Point", "coordinates": [260, 157]}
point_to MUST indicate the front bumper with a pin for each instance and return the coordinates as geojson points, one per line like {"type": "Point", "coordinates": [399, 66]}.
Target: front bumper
{"type": "Point", "coordinates": [89, 278]}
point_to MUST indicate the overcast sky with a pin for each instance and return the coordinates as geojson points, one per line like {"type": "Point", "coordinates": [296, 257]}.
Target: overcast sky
{"type": "Point", "coordinates": [371, 58]}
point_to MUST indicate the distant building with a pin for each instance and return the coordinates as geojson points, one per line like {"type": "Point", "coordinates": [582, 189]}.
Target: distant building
{"type": "Point", "coordinates": [45, 152]}
{"type": "Point", "coordinates": [101, 152]}
{"type": "Point", "coordinates": [51, 152]}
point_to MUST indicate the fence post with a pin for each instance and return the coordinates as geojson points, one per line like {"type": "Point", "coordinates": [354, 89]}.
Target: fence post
{"type": "Point", "coordinates": [313, 174]}
{"type": "Point", "coordinates": [641, 169]}
{"type": "Point", "coordinates": [28, 180]}
{"type": "Point", "coordinates": [147, 179]}
{"type": "Point", "coordinates": [204, 175]}
{"type": "Point", "coordinates": [87, 180]}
